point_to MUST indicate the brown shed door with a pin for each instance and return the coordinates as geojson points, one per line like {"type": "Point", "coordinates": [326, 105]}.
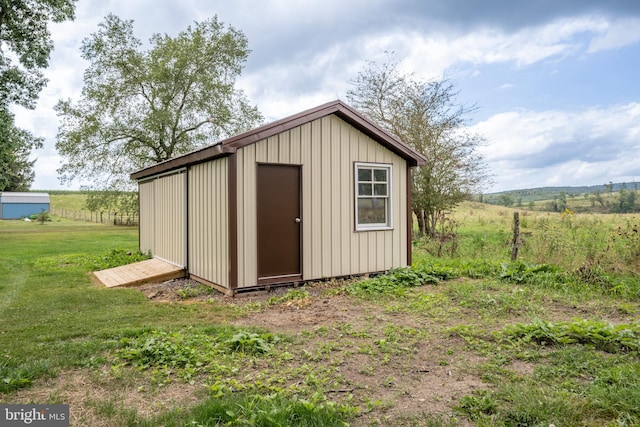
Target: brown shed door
{"type": "Point", "coordinates": [278, 208]}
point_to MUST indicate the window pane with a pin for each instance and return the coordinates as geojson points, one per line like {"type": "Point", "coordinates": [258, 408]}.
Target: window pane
{"type": "Point", "coordinates": [380, 189]}
{"type": "Point", "coordinates": [364, 174]}
{"type": "Point", "coordinates": [365, 189]}
{"type": "Point", "coordinates": [380, 175]}
{"type": "Point", "coordinates": [372, 211]}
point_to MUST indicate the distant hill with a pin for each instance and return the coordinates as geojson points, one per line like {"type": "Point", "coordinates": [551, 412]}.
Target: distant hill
{"type": "Point", "coordinates": [549, 193]}
{"type": "Point", "coordinates": [607, 198]}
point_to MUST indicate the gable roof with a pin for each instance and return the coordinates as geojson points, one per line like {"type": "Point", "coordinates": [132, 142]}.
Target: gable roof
{"type": "Point", "coordinates": [12, 197]}
{"type": "Point", "coordinates": [231, 145]}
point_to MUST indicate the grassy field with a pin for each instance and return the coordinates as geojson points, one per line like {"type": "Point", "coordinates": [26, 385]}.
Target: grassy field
{"type": "Point", "coordinates": [464, 338]}
{"type": "Point", "coordinates": [68, 200]}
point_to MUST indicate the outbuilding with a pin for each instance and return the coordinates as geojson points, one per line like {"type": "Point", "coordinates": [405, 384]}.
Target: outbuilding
{"type": "Point", "coordinates": [323, 193]}
{"type": "Point", "coordinates": [22, 205]}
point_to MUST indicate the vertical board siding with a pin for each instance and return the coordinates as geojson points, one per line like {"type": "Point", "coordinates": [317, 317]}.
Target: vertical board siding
{"type": "Point", "coordinates": [327, 149]}
{"type": "Point", "coordinates": [247, 216]}
{"type": "Point", "coordinates": [163, 217]}
{"type": "Point", "coordinates": [146, 191]}
{"type": "Point", "coordinates": [170, 212]}
{"type": "Point", "coordinates": [209, 221]}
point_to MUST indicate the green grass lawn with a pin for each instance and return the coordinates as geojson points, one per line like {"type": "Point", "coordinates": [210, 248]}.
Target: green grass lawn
{"type": "Point", "coordinates": [551, 339]}
{"type": "Point", "coordinates": [52, 314]}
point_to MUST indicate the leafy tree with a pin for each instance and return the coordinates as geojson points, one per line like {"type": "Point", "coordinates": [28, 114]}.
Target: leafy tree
{"type": "Point", "coordinates": [124, 202]}
{"type": "Point", "coordinates": [16, 170]}
{"type": "Point", "coordinates": [140, 107]}
{"type": "Point", "coordinates": [597, 197]}
{"type": "Point", "coordinates": [426, 116]}
{"type": "Point", "coordinates": [626, 201]}
{"type": "Point", "coordinates": [506, 199]}
{"type": "Point", "coordinates": [609, 187]}
{"type": "Point", "coordinates": [25, 47]}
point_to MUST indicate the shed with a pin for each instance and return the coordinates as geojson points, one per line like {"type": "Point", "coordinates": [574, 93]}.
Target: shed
{"type": "Point", "coordinates": [323, 193]}
{"type": "Point", "coordinates": [22, 205]}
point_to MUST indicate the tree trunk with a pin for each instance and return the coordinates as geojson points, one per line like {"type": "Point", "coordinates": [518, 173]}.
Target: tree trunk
{"type": "Point", "coordinates": [420, 217]}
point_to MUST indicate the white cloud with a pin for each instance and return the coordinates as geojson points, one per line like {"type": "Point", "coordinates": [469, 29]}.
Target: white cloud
{"type": "Point", "coordinates": [616, 34]}
{"type": "Point", "coordinates": [304, 54]}
{"type": "Point", "coordinates": [531, 149]}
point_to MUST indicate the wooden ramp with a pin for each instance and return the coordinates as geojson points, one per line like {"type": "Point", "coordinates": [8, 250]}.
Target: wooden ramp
{"type": "Point", "coordinates": [151, 270]}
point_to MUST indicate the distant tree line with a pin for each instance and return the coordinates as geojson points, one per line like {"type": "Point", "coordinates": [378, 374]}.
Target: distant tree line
{"type": "Point", "coordinates": [608, 198]}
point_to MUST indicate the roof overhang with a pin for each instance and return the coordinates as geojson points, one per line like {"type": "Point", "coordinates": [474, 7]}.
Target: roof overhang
{"type": "Point", "coordinates": [231, 145]}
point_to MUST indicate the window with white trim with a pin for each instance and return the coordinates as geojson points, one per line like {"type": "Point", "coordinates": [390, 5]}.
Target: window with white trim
{"type": "Point", "coordinates": [372, 196]}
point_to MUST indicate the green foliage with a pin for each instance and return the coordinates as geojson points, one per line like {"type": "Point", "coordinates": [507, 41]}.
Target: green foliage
{"type": "Point", "coordinates": [52, 316]}
{"type": "Point", "coordinates": [16, 167]}
{"type": "Point", "coordinates": [195, 290]}
{"type": "Point", "coordinates": [625, 243]}
{"type": "Point", "coordinates": [140, 107]}
{"type": "Point", "coordinates": [117, 257]}
{"type": "Point", "coordinates": [575, 385]}
{"type": "Point", "coordinates": [42, 217]}
{"type": "Point", "coordinates": [251, 343]}
{"type": "Point", "coordinates": [177, 349]}
{"type": "Point", "coordinates": [394, 282]}
{"type": "Point", "coordinates": [13, 377]}
{"type": "Point", "coordinates": [522, 272]}
{"type": "Point", "coordinates": [478, 405]}
{"type": "Point", "coordinates": [601, 335]}
{"type": "Point", "coordinates": [290, 295]}
{"type": "Point", "coordinates": [190, 351]}
{"type": "Point", "coordinates": [248, 409]}
{"type": "Point", "coordinates": [112, 201]}
{"type": "Point", "coordinates": [425, 115]}
{"type": "Point", "coordinates": [113, 258]}
{"type": "Point", "coordinates": [26, 46]}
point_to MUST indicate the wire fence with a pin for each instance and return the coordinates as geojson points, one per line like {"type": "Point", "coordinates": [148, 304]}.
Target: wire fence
{"type": "Point", "coordinates": [113, 218]}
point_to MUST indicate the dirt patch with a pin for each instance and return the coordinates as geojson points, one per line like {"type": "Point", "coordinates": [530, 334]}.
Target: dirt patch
{"type": "Point", "coordinates": [393, 363]}
{"type": "Point", "coordinates": [96, 398]}
{"type": "Point", "coordinates": [422, 371]}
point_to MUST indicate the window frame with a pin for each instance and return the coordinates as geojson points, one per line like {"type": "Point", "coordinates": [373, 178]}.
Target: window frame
{"type": "Point", "coordinates": [388, 167]}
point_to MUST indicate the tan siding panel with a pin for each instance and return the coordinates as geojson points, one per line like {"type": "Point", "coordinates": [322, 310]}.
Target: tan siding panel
{"type": "Point", "coordinates": [247, 220]}
{"type": "Point", "coordinates": [170, 208]}
{"type": "Point", "coordinates": [208, 218]}
{"type": "Point", "coordinates": [307, 213]}
{"type": "Point", "coordinates": [327, 150]}
{"type": "Point", "coordinates": [147, 216]}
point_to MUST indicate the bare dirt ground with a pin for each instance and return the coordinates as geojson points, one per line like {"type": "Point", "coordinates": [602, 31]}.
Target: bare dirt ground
{"type": "Point", "coordinates": [425, 370]}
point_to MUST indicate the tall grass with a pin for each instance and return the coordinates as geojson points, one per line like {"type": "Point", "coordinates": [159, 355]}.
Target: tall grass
{"type": "Point", "coordinates": [592, 242]}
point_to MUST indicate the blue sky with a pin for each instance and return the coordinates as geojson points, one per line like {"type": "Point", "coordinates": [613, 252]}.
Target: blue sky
{"type": "Point", "coordinates": [556, 82]}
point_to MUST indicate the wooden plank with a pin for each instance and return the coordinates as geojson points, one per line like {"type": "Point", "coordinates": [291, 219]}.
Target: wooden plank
{"type": "Point", "coordinates": [152, 270]}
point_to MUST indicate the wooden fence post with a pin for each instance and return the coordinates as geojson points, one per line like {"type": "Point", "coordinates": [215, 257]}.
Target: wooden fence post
{"type": "Point", "coordinates": [516, 236]}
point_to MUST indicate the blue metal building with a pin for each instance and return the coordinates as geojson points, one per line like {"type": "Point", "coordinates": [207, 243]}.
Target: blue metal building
{"type": "Point", "coordinates": [22, 205]}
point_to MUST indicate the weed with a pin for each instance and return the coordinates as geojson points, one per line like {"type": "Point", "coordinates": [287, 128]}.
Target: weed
{"type": "Point", "coordinates": [394, 282]}
{"type": "Point", "coordinates": [42, 217]}
{"type": "Point", "coordinates": [478, 406]}
{"type": "Point", "coordinates": [603, 336]}
{"type": "Point", "coordinates": [13, 377]}
{"type": "Point", "coordinates": [193, 291]}
{"type": "Point", "coordinates": [188, 352]}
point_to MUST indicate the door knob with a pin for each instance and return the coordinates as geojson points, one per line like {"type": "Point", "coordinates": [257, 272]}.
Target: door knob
{"type": "Point", "coordinates": [297, 219]}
